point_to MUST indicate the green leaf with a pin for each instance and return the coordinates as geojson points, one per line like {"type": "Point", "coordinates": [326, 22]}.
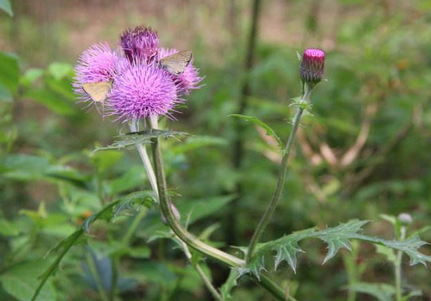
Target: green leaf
{"type": "Point", "coordinates": [153, 133]}
{"type": "Point", "coordinates": [8, 229]}
{"type": "Point", "coordinates": [198, 209]}
{"type": "Point", "coordinates": [387, 252]}
{"type": "Point", "coordinates": [381, 291]}
{"type": "Point", "coordinates": [6, 7]}
{"type": "Point", "coordinates": [21, 281]}
{"type": "Point", "coordinates": [60, 70]}
{"type": "Point", "coordinates": [5, 94]}
{"type": "Point", "coordinates": [197, 142]}
{"type": "Point", "coordinates": [230, 283]}
{"type": "Point", "coordinates": [267, 128]}
{"type": "Point", "coordinates": [52, 101]}
{"type": "Point", "coordinates": [339, 237]}
{"type": "Point", "coordinates": [9, 71]}
{"type": "Point", "coordinates": [108, 214]}
{"type": "Point", "coordinates": [287, 247]}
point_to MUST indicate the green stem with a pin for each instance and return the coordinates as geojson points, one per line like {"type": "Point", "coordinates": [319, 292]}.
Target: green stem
{"type": "Point", "coordinates": [281, 177]}
{"type": "Point", "coordinates": [167, 212]}
{"type": "Point", "coordinates": [115, 274]}
{"type": "Point", "coordinates": [95, 274]}
{"type": "Point", "coordinates": [188, 238]}
{"type": "Point", "coordinates": [397, 267]}
{"type": "Point", "coordinates": [201, 273]}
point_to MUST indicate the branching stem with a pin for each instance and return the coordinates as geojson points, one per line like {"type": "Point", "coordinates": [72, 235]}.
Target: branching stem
{"type": "Point", "coordinates": [266, 218]}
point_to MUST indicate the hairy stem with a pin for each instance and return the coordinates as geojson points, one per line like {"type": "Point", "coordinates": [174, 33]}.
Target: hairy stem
{"type": "Point", "coordinates": [281, 178]}
{"type": "Point", "coordinates": [188, 238]}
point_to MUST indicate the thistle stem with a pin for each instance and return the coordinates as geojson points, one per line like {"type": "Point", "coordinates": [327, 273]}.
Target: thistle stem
{"type": "Point", "coordinates": [188, 238]}
{"type": "Point", "coordinates": [201, 273]}
{"type": "Point", "coordinates": [397, 267]}
{"type": "Point", "coordinates": [266, 218]}
{"type": "Point", "coordinates": [145, 159]}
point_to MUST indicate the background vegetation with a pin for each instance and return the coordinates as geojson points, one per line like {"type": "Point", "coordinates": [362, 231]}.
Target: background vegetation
{"type": "Point", "coordinates": [363, 153]}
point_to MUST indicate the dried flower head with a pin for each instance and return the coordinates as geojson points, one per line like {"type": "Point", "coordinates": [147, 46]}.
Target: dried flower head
{"type": "Point", "coordinates": [186, 81]}
{"type": "Point", "coordinates": [312, 66]}
{"type": "Point", "coordinates": [96, 64]}
{"type": "Point", "coordinates": [142, 90]}
{"type": "Point", "coordinates": [140, 44]}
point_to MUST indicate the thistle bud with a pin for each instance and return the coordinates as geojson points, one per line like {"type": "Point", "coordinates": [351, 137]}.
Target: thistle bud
{"type": "Point", "coordinates": [312, 66]}
{"type": "Point", "coordinates": [405, 218]}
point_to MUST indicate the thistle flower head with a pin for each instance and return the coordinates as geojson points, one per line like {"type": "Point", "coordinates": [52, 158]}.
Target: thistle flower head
{"type": "Point", "coordinates": [142, 90]}
{"type": "Point", "coordinates": [140, 44]}
{"type": "Point", "coordinates": [312, 66]}
{"type": "Point", "coordinates": [96, 64]}
{"type": "Point", "coordinates": [186, 81]}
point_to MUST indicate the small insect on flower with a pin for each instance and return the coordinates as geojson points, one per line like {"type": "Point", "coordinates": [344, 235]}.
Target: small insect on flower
{"type": "Point", "coordinates": [312, 66]}
{"type": "Point", "coordinates": [178, 62]}
{"type": "Point", "coordinates": [95, 71]}
{"type": "Point", "coordinates": [97, 91]}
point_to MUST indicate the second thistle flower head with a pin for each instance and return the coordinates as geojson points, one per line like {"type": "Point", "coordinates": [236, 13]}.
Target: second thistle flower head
{"type": "Point", "coordinates": [140, 44]}
{"type": "Point", "coordinates": [142, 90]}
{"type": "Point", "coordinates": [312, 66]}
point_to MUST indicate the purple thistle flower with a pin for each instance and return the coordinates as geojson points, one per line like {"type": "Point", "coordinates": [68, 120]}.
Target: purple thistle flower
{"type": "Point", "coordinates": [312, 66]}
{"type": "Point", "coordinates": [186, 81]}
{"type": "Point", "coordinates": [96, 64]}
{"type": "Point", "coordinates": [142, 90]}
{"type": "Point", "coordinates": [140, 44]}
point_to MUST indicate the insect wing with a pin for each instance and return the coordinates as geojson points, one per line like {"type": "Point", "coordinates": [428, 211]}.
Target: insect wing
{"type": "Point", "coordinates": [178, 62]}
{"type": "Point", "coordinates": [97, 91]}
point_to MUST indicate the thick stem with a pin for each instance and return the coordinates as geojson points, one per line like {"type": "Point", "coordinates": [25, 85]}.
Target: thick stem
{"type": "Point", "coordinates": [178, 229]}
{"type": "Point", "coordinates": [145, 159]}
{"type": "Point", "coordinates": [188, 238]}
{"type": "Point", "coordinates": [281, 177]}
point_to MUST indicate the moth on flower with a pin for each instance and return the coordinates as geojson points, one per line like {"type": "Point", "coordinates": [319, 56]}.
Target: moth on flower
{"type": "Point", "coordinates": [142, 80]}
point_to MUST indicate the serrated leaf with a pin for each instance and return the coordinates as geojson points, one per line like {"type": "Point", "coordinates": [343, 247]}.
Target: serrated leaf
{"type": "Point", "coordinates": [154, 133]}
{"type": "Point", "coordinates": [339, 237]}
{"type": "Point", "coordinates": [381, 291]}
{"type": "Point", "coordinates": [6, 7]}
{"type": "Point", "coordinates": [287, 247]}
{"type": "Point", "coordinates": [230, 283]}
{"type": "Point", "coordinates": [267, 128]}
{"type": "Point", "coordinates": [108, 214]}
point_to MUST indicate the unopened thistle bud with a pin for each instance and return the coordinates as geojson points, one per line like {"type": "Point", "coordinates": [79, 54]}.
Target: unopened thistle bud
{"type": "Point", "coordinates": [405, 218]}
{"type": "Point", "coordinates": [312, 66]}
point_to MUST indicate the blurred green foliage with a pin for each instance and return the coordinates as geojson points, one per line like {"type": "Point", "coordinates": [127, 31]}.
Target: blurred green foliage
{"type": "Point", "coordinates": [363, 152]}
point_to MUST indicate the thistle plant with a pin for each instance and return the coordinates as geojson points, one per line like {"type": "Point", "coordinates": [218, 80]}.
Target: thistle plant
{"type": "Point", "coordinates": [141, 92]}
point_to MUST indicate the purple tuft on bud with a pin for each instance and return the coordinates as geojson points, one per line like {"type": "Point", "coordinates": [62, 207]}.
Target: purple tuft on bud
{"type": "Point", "coordinates": [140, 44]}
{"type": "Point", "coordinates": [312, 66]}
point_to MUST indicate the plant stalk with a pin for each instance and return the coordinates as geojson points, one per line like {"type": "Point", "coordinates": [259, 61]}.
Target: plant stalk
{"type": "Point", "coordinates": [188, 238]}
{"type": "Point", "coordinates": [266, 218]}
{"type": "Point", "coordinates": [397, 267]}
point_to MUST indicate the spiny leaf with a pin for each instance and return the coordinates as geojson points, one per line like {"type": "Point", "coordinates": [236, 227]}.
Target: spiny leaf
{"type": "Point", "coordinates": [154, 133]}
{"type": "Point", "coordinates": [107, 214]}
{"type": "Point", "coordinates": [381, 291]}
{"type": "Point", "coordinates": [339, 237]}
{"type": "Point", "coordinates": [267, 128]}
{"type": "Point", "coordinates": [230, 283]}
{"type": "Point", "coordinates": [287, 247]}
{"type": "Point", "coordinates": [129, 140]}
